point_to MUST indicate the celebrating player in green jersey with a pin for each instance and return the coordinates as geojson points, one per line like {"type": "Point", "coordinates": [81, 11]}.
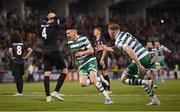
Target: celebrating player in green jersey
{"type": "Point", "coordinates": [84, 53]}
{"type": "Point", "coordinates": [134, 73]}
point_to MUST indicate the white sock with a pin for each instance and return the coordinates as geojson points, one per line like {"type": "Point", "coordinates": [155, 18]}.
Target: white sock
{"type": "Point", "coordinates": [144, 82]}
{"type": "Point", "coordinates": [98, 79]}
{"type": "Point", "coordinates": [101, 89]}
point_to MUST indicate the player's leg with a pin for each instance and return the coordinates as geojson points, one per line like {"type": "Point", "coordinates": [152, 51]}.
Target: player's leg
{"type": "Point", "coordinates": [105, 74]}
{"type": "Point", "coordinates": [154, 74]}
{"type": "Point", "coordinates": [92, 70]}
{"type": "Point", "coordinates": [154, 78]}
{"type": "Point", "coordinates": [162, 72]}
{"type": "Point", "coordinates": [59, 84]}
{"type": "Point", "coordinates": [100, 78]}
{"type": "Point", "coordinates": [59, 64]}
{"type": "Point", "coordinates": [48, 65]}
{"type": "Point", "coordinates": [47, 75]}
{"type": "Point", "coordinates": [131, 76]}
{"type": "Point", "coordinates": [61, 79]}
{"type": "Point", "coordinates": [18, 72]}
{"type": "Point", "coordinates": [98, 85]}
{"type": "Point", "coordinates": [133, 80]}
{"type": "Point", "coordinates": [106, 77]}
{"type": "Point", "coordinates": [19, 84]}
{"type": "Point", "coordinates": [84, 80]}
{"type": "Point", "coordinates": [161, 67]}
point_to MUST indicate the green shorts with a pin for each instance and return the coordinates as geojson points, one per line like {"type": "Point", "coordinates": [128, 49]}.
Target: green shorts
{"type": "Point", "coordinates": [162, 63]}
{"type": "Point", "coordinates": [85, 69]}
{"type": "Point", "coordinates": [132, 70]}
{"type": "Point", "coordinates": [154, 66]}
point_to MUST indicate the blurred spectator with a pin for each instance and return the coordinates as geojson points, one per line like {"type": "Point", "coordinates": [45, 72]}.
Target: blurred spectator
{"type": "Point", "coordinates": [176, 69]}
{"type": "Point", "coordinates": [167, 32]}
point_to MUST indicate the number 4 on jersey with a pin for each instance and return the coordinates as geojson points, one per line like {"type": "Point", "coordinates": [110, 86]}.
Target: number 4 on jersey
{"type": "Point", "coordinates": [44, 33]}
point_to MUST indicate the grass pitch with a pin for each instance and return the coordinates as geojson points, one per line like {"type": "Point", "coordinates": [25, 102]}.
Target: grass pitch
{"type": "Point", "coordinates": [126, 98]}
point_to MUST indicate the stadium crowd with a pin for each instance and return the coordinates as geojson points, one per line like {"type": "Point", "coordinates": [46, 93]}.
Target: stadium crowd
{"type": "Point", "coordinates": [29, 27]}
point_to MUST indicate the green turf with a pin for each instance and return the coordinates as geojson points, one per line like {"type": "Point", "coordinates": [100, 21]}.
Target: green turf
{"type": "Point", "coordinates": [130, 98]}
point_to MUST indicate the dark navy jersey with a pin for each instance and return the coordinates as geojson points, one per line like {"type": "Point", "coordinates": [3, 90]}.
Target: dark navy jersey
{"type": "Point", "coordinates": [18, 50]}
{"type": "Point", "coordinates": [50, 32]}
{"type": "Point", "coordinates": [100, 41]}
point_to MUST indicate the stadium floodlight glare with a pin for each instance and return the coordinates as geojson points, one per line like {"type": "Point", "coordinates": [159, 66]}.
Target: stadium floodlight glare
{"type": "Point", "coordinates": [162, 21]}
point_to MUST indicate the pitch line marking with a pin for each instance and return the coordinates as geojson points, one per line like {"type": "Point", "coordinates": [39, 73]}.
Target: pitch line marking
{"type": "Point", "coordinates": [79, 95]}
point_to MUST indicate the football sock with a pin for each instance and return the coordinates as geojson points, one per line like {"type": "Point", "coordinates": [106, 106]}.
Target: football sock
{"type": "Point", "coordinates": [46, 85]}
{"type": "Point", "coordinates": [19, 83]}
{"type": "Point", "coordinates": [154, 81]}
{"type": "Point", "coordinates": [60, 81]}
{"type": "Point", "coordinates": [159, 76]}
{"type": "Point", "coordinates": [101, 90]}
{"type": "Point", "coordinates": [108, 79]}
{"type": "Point", "coordinates": [148, 90]}
{"type": "Point", "coordinates": [104, 86]}
{"type": "Point", "coordinates": [135, 81]}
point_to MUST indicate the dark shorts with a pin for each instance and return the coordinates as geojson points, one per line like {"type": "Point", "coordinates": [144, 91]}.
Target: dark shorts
{"type": "Point", "coordinates": [104, 66]}
{"type": "Point", "coordinates": [17, 68]}
{"type": "Point", "coordinates": [53, 58]}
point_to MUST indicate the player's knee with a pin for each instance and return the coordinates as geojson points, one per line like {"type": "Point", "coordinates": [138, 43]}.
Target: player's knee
{"type": "Point", "coordinates": [123, 78]}
{"type": "Point", "coordinates": [83, 84]}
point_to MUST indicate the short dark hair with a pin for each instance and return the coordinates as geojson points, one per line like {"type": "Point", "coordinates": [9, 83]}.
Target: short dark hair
{"type": "Point", "coordinates": [71, 28]}
{"type": "Point", "coordinates": [51, 11]}
{"type": "Point", "coordinates": [99, 28]}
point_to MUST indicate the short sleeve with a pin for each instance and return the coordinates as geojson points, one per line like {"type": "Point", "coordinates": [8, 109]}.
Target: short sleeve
{"type": "Point", "coordinates": [87, 43]}
{"type": "Point", "coordinates": [119, 44]}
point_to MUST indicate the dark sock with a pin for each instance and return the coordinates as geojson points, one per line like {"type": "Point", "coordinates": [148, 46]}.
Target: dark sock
{"type": "Point", "coordinates": [60, 81]}
{"type": "Point", "coordinates": [108, 79]}
{"type": "Point", "coordinates": [19, 83]}
{"type": "Point", "coordinates": [104, 86]}
{"type": "Point", "coordinates": [46, 85]}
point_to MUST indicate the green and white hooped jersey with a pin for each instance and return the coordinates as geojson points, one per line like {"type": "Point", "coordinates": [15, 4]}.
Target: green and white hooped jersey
{"type": "Point", "coordinates": [160, 52]}
{"type": "Point", "coordinates": [125, 38]}
{"type": "Point", "coordinates": [81, 44]}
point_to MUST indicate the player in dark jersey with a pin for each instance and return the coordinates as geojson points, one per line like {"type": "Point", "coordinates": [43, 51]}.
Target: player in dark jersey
{"type": "Point", "coordinates": [16, 52]}
{"type": "Point", "coordinates": [102, 58]}
{"type": "Point", "coordinates": [52, 56]}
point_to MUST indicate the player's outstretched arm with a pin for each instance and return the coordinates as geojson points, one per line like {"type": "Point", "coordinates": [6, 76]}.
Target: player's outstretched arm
{"type": "Point", "coordinates": [105, 48]}
{"type": "Point", "coordinates": [167, 50]}
{"type": "Point", "coordinates": [134, 57]}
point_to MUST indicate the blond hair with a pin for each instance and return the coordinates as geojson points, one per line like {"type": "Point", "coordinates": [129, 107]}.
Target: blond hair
{"type": "Point", "coordinates": [113, 26]}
